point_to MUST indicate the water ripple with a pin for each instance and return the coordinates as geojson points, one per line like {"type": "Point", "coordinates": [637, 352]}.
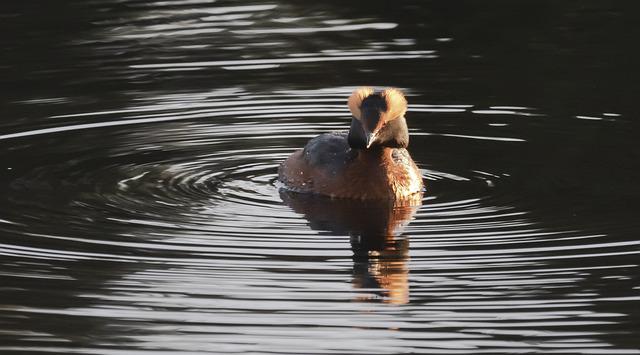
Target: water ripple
{"type": "Point", "coordinates": [152, 221]}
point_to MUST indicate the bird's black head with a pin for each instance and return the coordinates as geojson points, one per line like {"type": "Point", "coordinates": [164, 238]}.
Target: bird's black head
{"type": "Point", "coordinates": [378, 119]}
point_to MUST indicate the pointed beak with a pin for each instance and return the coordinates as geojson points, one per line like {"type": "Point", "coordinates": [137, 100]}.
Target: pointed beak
{"type": "Point", "coordinates": [371, 137]}
{"type": "Point", "coordinates": [370, 120]}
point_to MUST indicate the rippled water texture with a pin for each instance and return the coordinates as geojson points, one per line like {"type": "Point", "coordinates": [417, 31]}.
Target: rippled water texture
{"type": "Point", "coordinates": [140, 213]}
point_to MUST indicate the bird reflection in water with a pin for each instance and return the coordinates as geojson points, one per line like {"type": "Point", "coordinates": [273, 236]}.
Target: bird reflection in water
{"type": "Point", "coordinates": [380, 250]}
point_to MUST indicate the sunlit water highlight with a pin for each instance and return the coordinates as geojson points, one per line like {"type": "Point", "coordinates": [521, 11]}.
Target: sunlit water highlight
{"type": "Point", "coordinates": [150, 219]}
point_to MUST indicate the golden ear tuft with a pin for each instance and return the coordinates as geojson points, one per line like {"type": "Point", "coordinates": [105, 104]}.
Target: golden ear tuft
{"type": "Point", "coordinates": [396, 103]}
{"type": "Point", "coordinates": [355, 100]}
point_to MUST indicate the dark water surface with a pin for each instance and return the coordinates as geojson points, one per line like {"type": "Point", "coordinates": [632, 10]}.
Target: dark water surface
{"type": "Point", "coordinates": [139, 145]}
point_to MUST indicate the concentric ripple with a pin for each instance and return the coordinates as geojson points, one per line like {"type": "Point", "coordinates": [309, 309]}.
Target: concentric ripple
{"type": "Point", "coordinates": [140, 212]}
{"type": "Point", "coordinates": [171, 223]}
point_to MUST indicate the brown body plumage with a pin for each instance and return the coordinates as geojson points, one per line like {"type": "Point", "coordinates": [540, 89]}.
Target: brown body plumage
{"type": "Point", "coordinates": [370, 162]}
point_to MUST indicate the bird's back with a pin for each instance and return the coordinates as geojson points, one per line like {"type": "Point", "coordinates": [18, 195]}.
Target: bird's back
{"type": "Point", "coordinates": [328, 166]}
{"type": "Point", "coordinates": [329, 151]}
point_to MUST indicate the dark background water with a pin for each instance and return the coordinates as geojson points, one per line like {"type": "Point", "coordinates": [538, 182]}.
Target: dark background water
{"type": "Point", "coordinates": [139, 144]}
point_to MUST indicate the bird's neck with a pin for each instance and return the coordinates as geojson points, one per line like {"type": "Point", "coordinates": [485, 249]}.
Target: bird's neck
{"type": "Point", "coordinates": [376, 154]}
